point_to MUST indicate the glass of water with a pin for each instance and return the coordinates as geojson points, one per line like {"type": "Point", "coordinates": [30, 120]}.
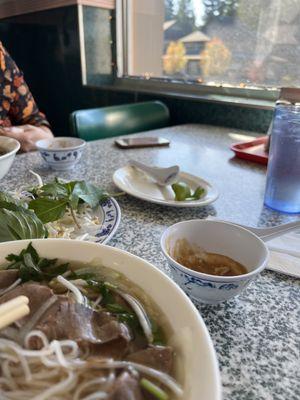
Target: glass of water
{"type": "Point", "coordinates": [283, 175]}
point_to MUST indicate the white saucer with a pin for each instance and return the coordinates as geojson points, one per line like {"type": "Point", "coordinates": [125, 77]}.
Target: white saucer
{"type": "Point", "coordinates": [138, 184]}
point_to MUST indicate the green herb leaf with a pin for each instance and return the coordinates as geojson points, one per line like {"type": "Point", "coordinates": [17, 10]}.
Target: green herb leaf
{"type": "Point", "coordinates": [53, 189]}
{"type": "Point", "coordinates": [48, 210]}
{"type": "Point", "coordinates": [89, 193]}
{"type": "Point", "coordinates": [7, 198]}
{"type": "Point", "coordinates": [159, 337]}
{"type": "Point", "coordinates": [32, 267]}
{"type": "Point", "coordinates": [18, 225]}
{"type": "Point", "coordinates": [10, 206]}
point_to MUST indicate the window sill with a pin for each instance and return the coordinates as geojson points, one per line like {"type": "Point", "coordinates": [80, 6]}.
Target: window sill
{"type": "Point", "coordinates": [245, 97]}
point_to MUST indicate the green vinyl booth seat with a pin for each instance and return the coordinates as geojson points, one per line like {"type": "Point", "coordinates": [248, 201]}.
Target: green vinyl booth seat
{"type": "Point", "coordinates": [100, 123]}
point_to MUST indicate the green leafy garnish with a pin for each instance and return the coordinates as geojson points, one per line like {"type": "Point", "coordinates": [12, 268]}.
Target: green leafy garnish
{"type": "Point", "coordinates": [33, 267]}
{"type": "Point", "coordinates": [183, 192]}
{"type": "Point", "coordinates": [54, 199]}
{"type": "Point", "coordinates": [47, 209]}
{"type": "Point", "coordinates": [21, 224]}
{"type": "Point", "coordinates": [153, 389]}
{"type": "Point", "coordinates": [104, 288]}
{"type": "Point", "coordinates": [158, 334]}
{"type": "Point", "coordinates": [89, 193]}
{"type": "Point", "coordinates": [6, 198]}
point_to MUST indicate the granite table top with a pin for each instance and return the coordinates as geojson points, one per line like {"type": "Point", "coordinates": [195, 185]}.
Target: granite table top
{"type": "Point", "coordinates": [257, 335]}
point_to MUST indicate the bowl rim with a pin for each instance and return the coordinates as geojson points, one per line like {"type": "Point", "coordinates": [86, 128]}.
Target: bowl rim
{"type": "Point", "coordinates": [14, 151]}
{"type": "Point", "coordinates": [41, 147]}
{"type": "Point", "coordinates": [215, 278]}
{"type": "Point", "coordinates": [195, 314]}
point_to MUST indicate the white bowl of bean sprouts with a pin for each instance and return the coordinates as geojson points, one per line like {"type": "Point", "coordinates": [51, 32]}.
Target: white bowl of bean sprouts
{"type": "Point", "coordinates": [103, 324]}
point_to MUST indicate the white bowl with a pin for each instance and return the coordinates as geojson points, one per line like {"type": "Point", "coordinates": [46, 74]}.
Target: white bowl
{"type": "Point", "coordinates": [216, 237]}
{"type": "Point", "coordinates": [61, 153]}
{"type": "Point", "coordinates": [196, 355]}
{"type": "Point", "coordinates": [11, 146]}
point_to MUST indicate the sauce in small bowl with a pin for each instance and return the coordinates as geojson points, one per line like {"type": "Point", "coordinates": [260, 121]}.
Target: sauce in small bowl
{"type": "Point", "coordinates": [213, 261]}
{"type": "Point", "coordinates": [197, 259]}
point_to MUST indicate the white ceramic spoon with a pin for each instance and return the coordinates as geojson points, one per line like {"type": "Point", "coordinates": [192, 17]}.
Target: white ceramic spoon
{"type": "Point", "coordinates": [162, 176]}
{"type": "Point", "coordinates": [272, 232]}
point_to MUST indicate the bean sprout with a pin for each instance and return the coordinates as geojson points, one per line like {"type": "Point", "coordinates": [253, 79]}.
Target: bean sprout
{"type": "Point", "coordinates": [140, 313]}
{"type": "Point", "coordinates": [77, 293]}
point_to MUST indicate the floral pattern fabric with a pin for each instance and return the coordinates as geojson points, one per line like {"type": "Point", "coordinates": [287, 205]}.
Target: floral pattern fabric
{"type": "Point", "coordinates": [17, 105]}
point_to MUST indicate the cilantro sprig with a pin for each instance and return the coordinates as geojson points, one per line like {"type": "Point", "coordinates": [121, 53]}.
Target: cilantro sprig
{"type": "Point", "coordinates": [33, 267]}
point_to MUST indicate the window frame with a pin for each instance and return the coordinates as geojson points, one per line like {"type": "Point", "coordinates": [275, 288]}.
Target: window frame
{"type": "Point", "coordinates": [254, 97]}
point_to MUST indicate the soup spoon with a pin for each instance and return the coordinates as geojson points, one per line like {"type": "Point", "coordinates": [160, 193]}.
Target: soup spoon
{"type": "Point", "coordinates": [272, 232]}
{"type": "Point", "coordinates": [162, 176]}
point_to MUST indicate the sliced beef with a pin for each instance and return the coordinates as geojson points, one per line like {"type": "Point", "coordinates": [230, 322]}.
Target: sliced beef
{"type": "Point", "coordinates": [8, 277]}
{"type": "Point", "coordinates": [99, 331]}
{"type": "Point", "coordinates": [126, 387]}
{"type": "Point", "coordinates": [157, 357]}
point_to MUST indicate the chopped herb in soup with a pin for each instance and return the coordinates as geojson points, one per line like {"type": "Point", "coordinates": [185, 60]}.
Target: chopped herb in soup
{"type": "Point", "coordinates": [91, 334]}
{"type": "Point", "coordinates": [195, 258]}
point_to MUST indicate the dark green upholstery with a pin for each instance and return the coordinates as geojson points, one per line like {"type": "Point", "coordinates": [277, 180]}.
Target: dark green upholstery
{"type": "Point", "coordinates": [100, 123]}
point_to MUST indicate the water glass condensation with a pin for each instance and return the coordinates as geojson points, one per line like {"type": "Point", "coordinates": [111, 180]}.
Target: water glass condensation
{"type": "Point", "coordinates": [283, 175]}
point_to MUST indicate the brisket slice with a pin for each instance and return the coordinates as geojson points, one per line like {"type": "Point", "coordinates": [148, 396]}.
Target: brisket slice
{"type": "Point", "coordinates": [8, 277]}
{"type": "Point", "coordinates": [98, 332]}
{"type": "Point", "coordinates": [157, 357]}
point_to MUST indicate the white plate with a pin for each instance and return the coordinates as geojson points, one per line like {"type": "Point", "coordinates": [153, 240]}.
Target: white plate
{"type": "Point", "coordinates": [196, 358]}
{"type": "Point", "coordinates": [138, 184]}
{"type": "Point", "coordinates": [110, 216]}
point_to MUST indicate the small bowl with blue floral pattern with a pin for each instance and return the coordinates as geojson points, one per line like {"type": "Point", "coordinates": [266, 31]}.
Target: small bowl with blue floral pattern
{"type": "Point", "coordinates": [61, 153]}
{"type": "Point", "coordinates": [238, 253]}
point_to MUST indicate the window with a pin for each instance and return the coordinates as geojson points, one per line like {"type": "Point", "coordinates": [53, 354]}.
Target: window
{"type": "Point", "coordinates": [228, 43]}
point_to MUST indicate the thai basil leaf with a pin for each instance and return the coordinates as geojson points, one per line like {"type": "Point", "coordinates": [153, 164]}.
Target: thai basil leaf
{"type": "Point", "coordinates": [69, 186]}
{"type": "Point", "coordinates": [89, 193]}
{"type": "Point", "coordinates": [10, 206]}
{"type": "Point", "coordinates": [18, 225]}
{"type": "Point", "coordinates": [53, 189]}
{"type": "Point", "coordinates": [48, 210]}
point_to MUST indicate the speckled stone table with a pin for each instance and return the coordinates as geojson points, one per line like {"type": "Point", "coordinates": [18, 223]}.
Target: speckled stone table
{"type": "Point", "coordinates": [257, 335]}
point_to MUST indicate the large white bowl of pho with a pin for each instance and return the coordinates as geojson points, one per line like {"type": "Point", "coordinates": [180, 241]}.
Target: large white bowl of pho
{"type": "Point", "coordinates": [8, 150]}
{"type": "Point", "coordinates": [103, 324]}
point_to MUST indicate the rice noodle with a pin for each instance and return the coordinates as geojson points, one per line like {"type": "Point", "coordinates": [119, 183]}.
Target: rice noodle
{"type": "Point", "coordinates": [12, 286]}
{"type": "Point", "coordinates": [162, 377]}
{"type": "Point", "coordinates": [38, 177]}
{"type": "Point", "coordinates": [27, 377]}
{"type": "Point", "coordinates": [64, 375]}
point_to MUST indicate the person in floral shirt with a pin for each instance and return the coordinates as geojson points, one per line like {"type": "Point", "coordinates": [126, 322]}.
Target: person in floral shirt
{"type": "Point", "coordinates": [20, 117]}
